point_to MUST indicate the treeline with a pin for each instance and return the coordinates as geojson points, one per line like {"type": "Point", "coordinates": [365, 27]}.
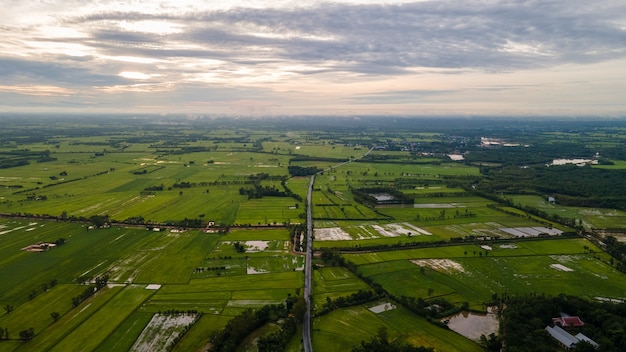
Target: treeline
{"type": "Point", "coordinates": [538, 153]}
{"type": "Point", "coordinates": [100, 282]}
{"type": "Point", "coordinates": [569, 184]}
{"type": "Point", "coordinates": [21, 157]}
{"type": "Point", "coordinates": [278, 340]}
{"type": "Point", "coordinates": [526, 317]}
{"type": "Point", "coordinates": [259, 191]}
{"type": "Point", "coordinates": [432, 309]}
{"type": "Point", "coordinates": [303, 170]}
{"type": "Point", "coordinates": [355, 299]}
{"type": "Point", "coordinates": [618, 251]}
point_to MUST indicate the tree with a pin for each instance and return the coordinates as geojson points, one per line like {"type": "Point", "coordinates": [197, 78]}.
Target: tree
{"type": "Point", "coordinates": [99, 220]}
{"type": "Point", "coordinates": [26, 335]}
{"type": "Point", "coordinates": [9, 308]}
{"type": "Point", "coordinates": [299, 308]}
{"type": "Point", "coordinates": [55, 316]}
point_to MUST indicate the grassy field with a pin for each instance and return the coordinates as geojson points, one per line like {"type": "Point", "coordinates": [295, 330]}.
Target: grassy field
{"type": "Point", "coordinates": [168, 174]}
{"type": "Point", "coordinates": [469, 274]}
{"type": "Point", "coordinates": [591, 217]}
{"type": "Point", "coordinates": [133, 258]}
{"type": "Point", "coordinates": [334, 282]}
{"type": "Point", "coordinates": [343, 329]}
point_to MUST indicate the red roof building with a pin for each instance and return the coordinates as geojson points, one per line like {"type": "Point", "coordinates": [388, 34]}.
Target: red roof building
{"type": "Point", "coordinates": [568, 322]}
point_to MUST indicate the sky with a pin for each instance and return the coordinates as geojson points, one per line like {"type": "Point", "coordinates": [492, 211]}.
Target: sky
{"type": "Point", "coordinates": [344, 57]}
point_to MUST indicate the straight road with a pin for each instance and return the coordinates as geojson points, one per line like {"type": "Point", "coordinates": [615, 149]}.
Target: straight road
{"type": "Point", "coordinates": [306, 325]}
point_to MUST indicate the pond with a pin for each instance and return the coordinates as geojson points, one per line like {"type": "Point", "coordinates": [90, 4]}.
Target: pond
{"type": "Point", "coordinates": [382, 197]}
{"type": "Point", "coordinates": [472, 325]}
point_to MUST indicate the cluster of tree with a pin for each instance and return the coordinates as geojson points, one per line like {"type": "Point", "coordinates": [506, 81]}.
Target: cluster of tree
{"type": "Point", "coordinates": [355, 299]}
{"type": "Point", "coordinates": [154, 188]}
{"type": "Point", "coordinates": [99, 220]}
{"type": "Point", "coordinates": [525, 318]}
{"type": "Point", "coordinates": [195, 223]}
{"type": "Point", "coordinates": [27, 334]}
{"type": "Point", "coordinates": [4, 333]}
{"type": "Point", "coordinates": [432, 308]}
{"type": "Point", "coordinates": [618, 251]}
{"type": "Point", "coordinates": [21, 157]}
{"type": "Point", "coordinates": [135, 220]}
{"type": "Point", "coordinates": [259, 191]}
{"type": "Point", "coordinates": [277, 341]}
{"type": "Point", "coordinates": [239, 247]}
{"type": "Point", "coordinates": [381, 343]}
{"type": "Point", "coordinates": [34, 196]}
{"type": "Point", "coordinates": [303, 170]}
{"type": "Point", "coordinates": [209, 268]}
{"type": "Point", "coordinates": [236, 330]}
{"type": "Point", "coordinates": [101, 281]}
{"type": "Point", "coordinates": [315, 158]}
{"type": "Point", "coordinates": [184, 184]}
{"type": "Point", "coordinates": [570, 184]}
{"type": "Point", "coordinates": [13, 162]}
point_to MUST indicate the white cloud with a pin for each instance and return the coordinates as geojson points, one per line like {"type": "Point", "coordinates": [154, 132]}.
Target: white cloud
{"type": "Point", "coordinates": [403, 56]}
{"type": "Point", "coordinates": [135, 75]}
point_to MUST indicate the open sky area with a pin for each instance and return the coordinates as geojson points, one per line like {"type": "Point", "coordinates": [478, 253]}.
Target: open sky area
{"type": "Point", "coordinates": [343, 57]}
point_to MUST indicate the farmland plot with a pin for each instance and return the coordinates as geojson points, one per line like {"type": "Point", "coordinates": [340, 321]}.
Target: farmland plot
{"type": "Point", "coordinates": [369, 232]}
{"type": "Point", "coordinates": [162, 331]}
{"type": "Point", "coordinates": [473, 278]}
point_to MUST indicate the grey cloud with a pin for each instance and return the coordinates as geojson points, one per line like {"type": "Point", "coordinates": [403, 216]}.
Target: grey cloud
{"type": "Point", "coordinates": [36, 72]}
{"type": "Point", "coordinates": [384, 39]}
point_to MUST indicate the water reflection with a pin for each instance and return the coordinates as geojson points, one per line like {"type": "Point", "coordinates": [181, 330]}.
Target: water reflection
{"type": "Point", "coordinates": [472, 325]}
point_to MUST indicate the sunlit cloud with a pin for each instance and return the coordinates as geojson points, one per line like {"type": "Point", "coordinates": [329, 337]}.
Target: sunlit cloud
{"type": "Point", "coordinates": [346, 56]}
{"type": "Point", "coordinates": [37, 90]}
{"type": "Point", "coordinates": [135, 75]}
{"type": "Point", "coordinates": [154, 27]}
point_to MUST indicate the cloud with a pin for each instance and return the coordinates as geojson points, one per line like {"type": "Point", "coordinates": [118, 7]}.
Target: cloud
{"type": "Point", "coordinates": [373, 38]}
{"type": "Point", "coordinates": [109, 46]}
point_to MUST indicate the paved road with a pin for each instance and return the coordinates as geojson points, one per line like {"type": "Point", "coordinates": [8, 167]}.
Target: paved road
{"type": "Point", "coordinates": [306, 325]}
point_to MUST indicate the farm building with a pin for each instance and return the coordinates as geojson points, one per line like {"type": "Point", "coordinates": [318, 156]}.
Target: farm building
{"type": "Point", "coordinates": [564, 338]}
{"type": "Point", "coordinates": [567, 321]}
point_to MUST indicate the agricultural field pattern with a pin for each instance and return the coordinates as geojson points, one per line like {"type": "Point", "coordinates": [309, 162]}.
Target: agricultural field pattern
{"type": "Point", "coordinates": [157, 233]}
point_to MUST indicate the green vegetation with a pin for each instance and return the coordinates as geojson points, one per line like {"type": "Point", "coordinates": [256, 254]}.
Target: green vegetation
{"type": "Point", "coordinates": [113, 229]}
